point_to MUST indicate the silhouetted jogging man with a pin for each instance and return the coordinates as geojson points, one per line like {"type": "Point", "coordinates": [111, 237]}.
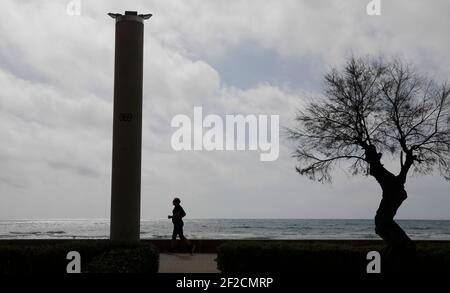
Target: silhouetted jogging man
{"type": "Point", "coordinates": [177, 216]}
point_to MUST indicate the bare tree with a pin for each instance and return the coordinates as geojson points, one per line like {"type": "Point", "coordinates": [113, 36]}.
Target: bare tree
{"type": "Point", "coordinates": [374, 108]}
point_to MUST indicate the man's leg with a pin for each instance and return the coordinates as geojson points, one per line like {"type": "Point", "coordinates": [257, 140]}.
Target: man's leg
{"type": "Point", "coordinates": [174, 239]}
{"type": "Point", "coordinates": [186, 241]}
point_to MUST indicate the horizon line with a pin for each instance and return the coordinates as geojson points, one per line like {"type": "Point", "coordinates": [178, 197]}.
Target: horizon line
{"type": "Point", "coordinates": [206, 218]}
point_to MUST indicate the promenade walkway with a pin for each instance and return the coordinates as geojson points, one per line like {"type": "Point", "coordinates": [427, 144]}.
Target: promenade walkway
{"type": "Point", "coordinates": [186, 263]}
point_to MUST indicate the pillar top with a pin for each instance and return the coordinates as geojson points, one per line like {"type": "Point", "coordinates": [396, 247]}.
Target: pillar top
{"type": "Point", "coordinates": [130, 16]}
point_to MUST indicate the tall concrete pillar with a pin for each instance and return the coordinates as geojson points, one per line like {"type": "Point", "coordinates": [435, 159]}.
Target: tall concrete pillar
{"type": "Point", "coordinates": [127, 127]}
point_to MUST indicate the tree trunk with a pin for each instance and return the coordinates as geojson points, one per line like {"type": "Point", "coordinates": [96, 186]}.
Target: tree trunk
{"type": "Point", "coordinates": [400, 252]}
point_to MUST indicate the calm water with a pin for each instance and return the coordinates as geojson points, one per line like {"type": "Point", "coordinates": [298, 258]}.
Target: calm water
{"type": "Point", "coordinates": [224, 229]}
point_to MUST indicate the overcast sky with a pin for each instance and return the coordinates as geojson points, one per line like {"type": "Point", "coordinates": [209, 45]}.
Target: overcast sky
{"type": "Point", "coordinates": [228, 56]}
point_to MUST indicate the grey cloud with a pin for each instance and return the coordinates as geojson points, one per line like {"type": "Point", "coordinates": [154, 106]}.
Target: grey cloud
{"type": "Point", "coordinates": [56, 79]}
{"type": "Point", "coordinates": [79, 169]}
{"type": "Point", "coordinates": [13, 182]}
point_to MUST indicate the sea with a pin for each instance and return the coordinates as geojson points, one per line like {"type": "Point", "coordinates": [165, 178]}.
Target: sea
{"type": "Point", "coordinates": [223, 229]}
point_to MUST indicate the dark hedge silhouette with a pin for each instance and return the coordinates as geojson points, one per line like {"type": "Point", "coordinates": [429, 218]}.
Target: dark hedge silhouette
{"type": "Point", "coordinates": [372, 110]}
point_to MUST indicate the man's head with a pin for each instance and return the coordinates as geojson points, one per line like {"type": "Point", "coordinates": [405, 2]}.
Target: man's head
{"type": "Point", "coordinates": [176, 201]}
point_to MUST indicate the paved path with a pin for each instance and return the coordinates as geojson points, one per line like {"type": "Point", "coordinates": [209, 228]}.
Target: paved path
{"type": "Point", "coordinates": [186, 263]}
